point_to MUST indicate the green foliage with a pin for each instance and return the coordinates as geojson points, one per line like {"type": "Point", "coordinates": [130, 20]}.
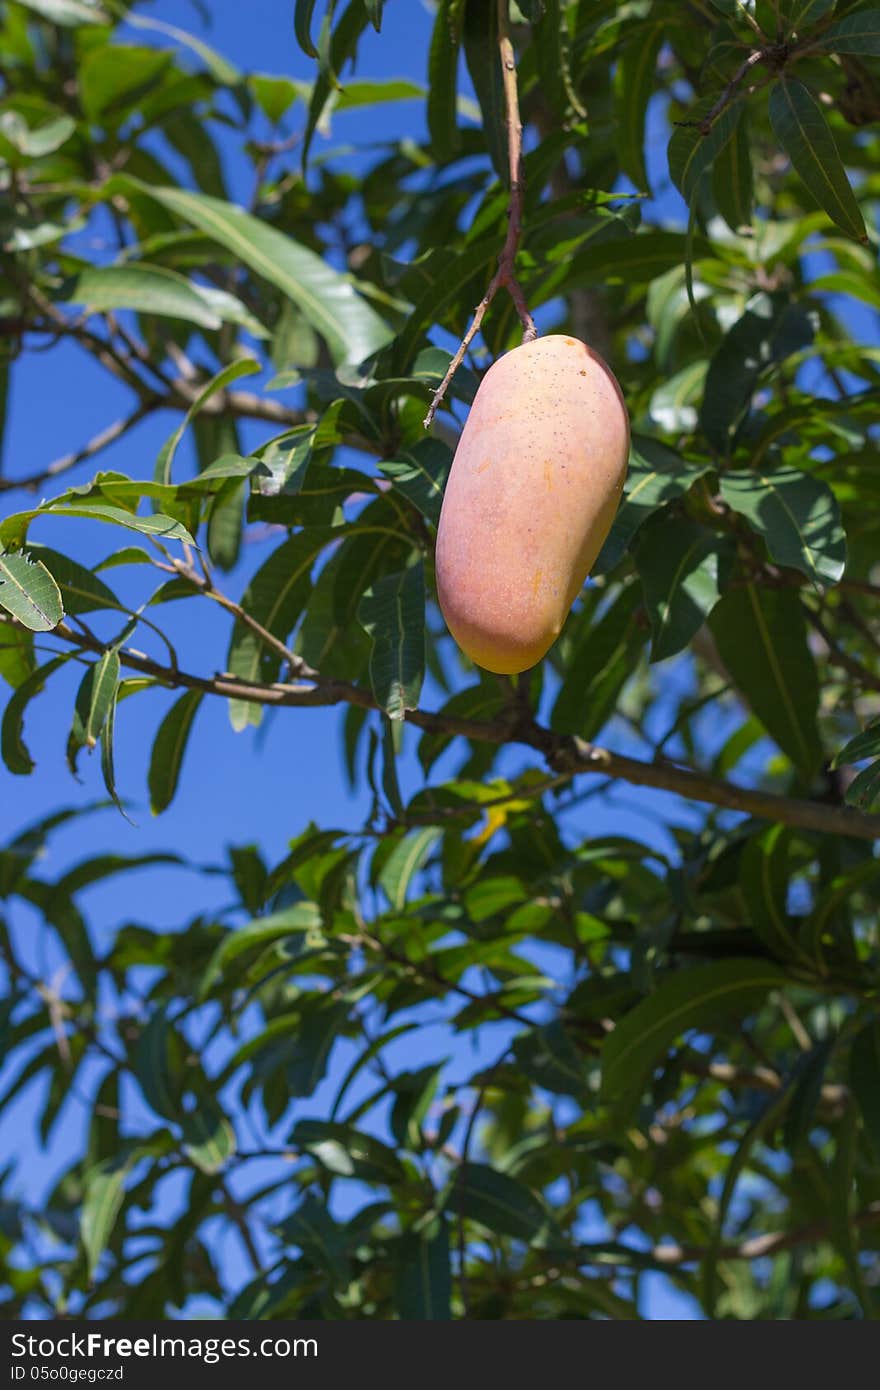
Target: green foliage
{"type": "Point", "coordinates": [477, 1056]}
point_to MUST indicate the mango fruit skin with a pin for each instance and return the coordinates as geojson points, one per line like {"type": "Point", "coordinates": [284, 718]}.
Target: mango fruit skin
{"type": "Point", "coordinates": [533, 489]}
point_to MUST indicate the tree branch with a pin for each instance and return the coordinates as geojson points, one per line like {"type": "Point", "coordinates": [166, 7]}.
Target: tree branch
{"type": "Point", "coordinates": [564, 753]}
{"type": "Point", "coordinates": [505, 275]}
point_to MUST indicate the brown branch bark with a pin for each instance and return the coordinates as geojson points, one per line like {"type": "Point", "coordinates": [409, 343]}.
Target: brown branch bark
{"type": "Point", "coordinates": [564, 753]}
{"type": "Point", "coordinates": [505, 275]}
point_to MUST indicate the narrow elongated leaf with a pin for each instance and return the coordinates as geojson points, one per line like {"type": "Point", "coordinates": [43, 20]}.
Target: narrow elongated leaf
{"type": "Point", "coordinates": [634, 85]}
{"type": "Point", "coordinates": [768, 1117]}
{"type": "Point", "coordinates": [796, 514]}
{"type": "Point", "coordinates": [348, 1152]}
{"type": "Point", "coordinates": [864, 745]}
{"type": "Point", "coordinates": [67, 12]}
{"type": "Point", "coordinates": [480, 37]}
{"type": "Point", "coordinates": [262, 931]}
{"type": "Point", "coordinates": [806, 137]}
{"type": "Point", "coordinates": [677, 560]}
{"type": "Point", "coordinates": [423, 1275]}
{"type": "Point", "coordinates": [105, 1189]}
{"type": "Point", "coordinates": [13, 529]}
{"type": "Point", "coordinates": [15, 753]}
{"type": "Point", "coordinates": [393, 613]}
{"type": "Point", "coordinates": [302, 26]}
{"type": "Point", "coordinates": [864, 1078]}
{"type": "Point", "coordinates": [706, 996]}
{"type": "Point", "coordinates": [763, 880]}
{"type": "Point", "coordinates": [655, 475]}
{"type": "Point", "coordinates": [499, 1202]}
{"type": "Point", "coordinates": [329, 300]}
{"type": "Point", "coordinates": [81, 589]}
{"type": "Point", "coordinates": [208, 1136]}
{"type": "Point", "coordinates": [420, 473]}
{"type": "Point", "coordinates": [599, 668]}
{"type": "Point", "coordinates": [761, 637]}
{"type": "Point", "coordinates": [443, 79]}
{"type": "Point", "coordinates": [245, 366]}
{"type": "Point", "coordinates": [692, 150]}
{"type": "Point", "coordinates": [275, 599]}
{"type": "Point", "coordinates": [147, 288]}
{"type": "Point", "coordinates": [321, 1239]}
{"type": "Point", "coordinates": [169, 747]}
{"type": "Point", "coordinates": [29, 593]}
{"type": "Point", "coordinates": [858, 34]}
{"type": "Point", "coordinates": [404, 863]}
{"type": "Point", "coordinates": [732, 178]}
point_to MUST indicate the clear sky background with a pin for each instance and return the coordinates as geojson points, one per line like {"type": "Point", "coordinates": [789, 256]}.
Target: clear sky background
{"type": "Point", "coordinates": [242, 788]}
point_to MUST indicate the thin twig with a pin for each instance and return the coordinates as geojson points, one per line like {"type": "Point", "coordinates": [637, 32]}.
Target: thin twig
{"type": "Point", "coordinates": [505, 275]}
{"type": "Point", "coordinates": [100, 441]}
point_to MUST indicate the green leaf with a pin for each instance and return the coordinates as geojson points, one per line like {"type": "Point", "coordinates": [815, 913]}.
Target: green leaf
{"type": "Point", "coordinates": [443, 80]}
{"type": "Point", "coordinates": [328, 300]}
{"type": "Point", "coordinates": [147, 288]}
{"type": "Point", "coordinates": [95, 698]}
{"type": "Point", "coordinates": [677, 560]}
{"type": "Point", "coordinates": [208, 1136]}
{"type": "Point", "coordinates": [404, 862]}
{"type": "Point", "coordinates": [335, 50]}
{"type": "Point", "coordinates": [261, 932]}
{"type": "Point", "coordinates": [767, 331]}
{"type": "Point", "coordinates": [732, 178]}
{"type": "Point", "coordinates": [858, 34]}
{"type": "Point", "coordinates": [863, 791]}
{"type": "Point", "coordinates": [634, 86]}
{"type": "Point", "coordinates": [761, 637]}
{"type": "Point", "coordinates": [15, 754]}
{"type": "Point", "coordinates": [321, 1239]}
{"type": "Point", "coordinates": [13, 529]}
{"type": "Point", "coordinates": [864, 745]}
{"type": "Point", "coordinates": [767, 1118]}
{"type": "Point", "coordinates": [169, 747]}
{"type": "Point", "coordinates": [599, 667]}
{"type": "Point", "coordinates": [423, 1274]}
{"type": "Point", "coordinates": [763, 880]}
{"type": "Point", "coordinates": [705, 997]}
{"type": "Point", "coordinates": [302, 26]}
{"type": "Point", "coordinates": [419, 474]}
{"type": "Point", "coordinates": [804, 134]}
{"type": "Point", "coordinates": [157, 1062]}
{"type": "Point", "coordinates": [842, 1185]}
{"type": "Point", "coordinates": [655, 475]}
{"type": "Point", "coordinates": [864, 1079]}
{"type": "Point", "coordinates": [105, 1190]}
{"type": "Point", "coordinates": [244, 366]}
{"type": "Point", "coordinates": [800, 13]}
{"type": "Point", "coordinates": [81, 589]}
{"type": "Point", "coordinates": [347, 1152]}
{"type": "Point", "coordinates": [112, 78]}
{"type": "Point", "coordinates": [796, 514]}
{"type": "Point", "coordinates": [393, 613]}
{"type": "Point", "coordinates": [693, 150]}
{"type": "Point", "coordinates": [480, 36]}
{"type": "Point", "coordinates": [226, 523]}
{"type": "Point", "coordinates": [67, 12]}
{"type": "Point", "coordinates": [499, 1202]}
{"type": "Point", "coordinates": [220, 68]}
{"type": "Point", "coordinates": [29, 593]}
{"type": "Point", "coordinates": [275, 599]}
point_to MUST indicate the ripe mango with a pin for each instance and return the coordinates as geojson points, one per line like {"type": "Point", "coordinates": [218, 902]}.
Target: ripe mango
{"type": "Point", "coordinates": [531, 495]}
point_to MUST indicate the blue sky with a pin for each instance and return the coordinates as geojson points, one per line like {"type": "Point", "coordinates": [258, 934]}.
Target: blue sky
{"type": "Point", "coordinates": [236, 788]}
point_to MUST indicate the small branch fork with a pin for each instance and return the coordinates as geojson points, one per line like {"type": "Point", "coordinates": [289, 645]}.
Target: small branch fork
{"type": "Point", "coordinates": [505, 275]}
